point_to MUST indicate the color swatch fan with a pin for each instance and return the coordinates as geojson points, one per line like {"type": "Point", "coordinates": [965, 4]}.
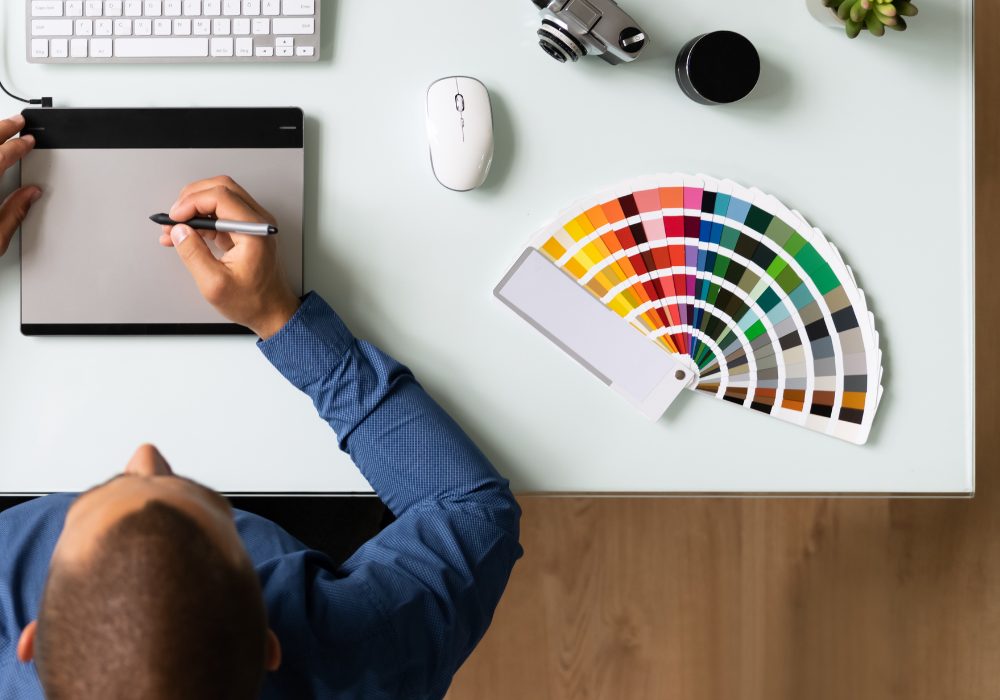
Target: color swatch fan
{"type": "Point", "coordinates": [677, 281]}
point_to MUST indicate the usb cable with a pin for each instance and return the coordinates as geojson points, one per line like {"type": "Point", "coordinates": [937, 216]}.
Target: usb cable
{"type": "Point", "coordinates": [44, 102]}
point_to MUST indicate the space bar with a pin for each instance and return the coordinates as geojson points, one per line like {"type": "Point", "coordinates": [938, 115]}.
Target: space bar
{"type": "Point", "coordinates": [161, 48]}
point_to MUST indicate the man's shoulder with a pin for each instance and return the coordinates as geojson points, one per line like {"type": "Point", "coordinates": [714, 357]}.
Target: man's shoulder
{"type": "Point", "coordinates": [28, 534]}
{"type": "Point", "coordinates": [264, 539]}
{"type": "Point", "coordinates": [46, 512]}
{"type": "Point", "coordinates": [18, 680]}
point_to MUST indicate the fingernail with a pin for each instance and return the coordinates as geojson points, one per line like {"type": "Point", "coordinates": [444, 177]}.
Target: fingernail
{"type": "Point", "coordinates": [179, 233]}
{"type": "Point", "coordinates": [35, 196]}
{"type": "Point", "coordinates": [18, 119]}
{"type": "Point", "coordinates": [29, 139]}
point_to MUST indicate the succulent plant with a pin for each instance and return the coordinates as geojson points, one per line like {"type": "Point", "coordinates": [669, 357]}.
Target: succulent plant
{"type": "Point", "coordinates": [873, 15]}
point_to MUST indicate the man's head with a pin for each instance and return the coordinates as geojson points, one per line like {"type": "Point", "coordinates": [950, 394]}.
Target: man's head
{"type": "Point", "coordinates": [150, 594]}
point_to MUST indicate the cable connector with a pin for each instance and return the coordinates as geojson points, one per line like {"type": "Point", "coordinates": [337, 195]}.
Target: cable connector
{"type": "Point", "coordinates": [45, 102]}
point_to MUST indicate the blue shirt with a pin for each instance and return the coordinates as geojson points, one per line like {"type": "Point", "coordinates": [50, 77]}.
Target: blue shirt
{"type": "Point", "coordinates": [402, 614]}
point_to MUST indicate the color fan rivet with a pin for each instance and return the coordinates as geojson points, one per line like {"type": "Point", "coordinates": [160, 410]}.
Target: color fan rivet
{"type": "Point", "coordinates": [680, 374]}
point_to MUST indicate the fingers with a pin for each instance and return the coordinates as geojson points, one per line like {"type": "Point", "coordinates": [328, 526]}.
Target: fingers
{"type": "Point", "coordinates": [224, 242]}
{"type": "Point", "coordinates": [13, 211]}
{"type": "Point", "coordinates": [10, 126]}
{"type": "Point", "coordinates": [14, 150]}
{"type": "Point", "coordinates": [219, 201]}
{"type": "Point", "coordinates": [229, 184]}
{"type": "Point", "coordinates": [209, 274]}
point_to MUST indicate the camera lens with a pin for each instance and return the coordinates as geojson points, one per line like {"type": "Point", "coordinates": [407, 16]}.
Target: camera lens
{"type": "Point", "coordinates": [632, 39]}
{"type": "Point", "coordinates": [559, 43]}
{"type": "Point", "coordinates": [552, 50]}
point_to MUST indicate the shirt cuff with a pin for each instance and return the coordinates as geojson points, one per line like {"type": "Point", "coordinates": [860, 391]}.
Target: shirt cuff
{"type": "Point", "coordinates": [310, 345]}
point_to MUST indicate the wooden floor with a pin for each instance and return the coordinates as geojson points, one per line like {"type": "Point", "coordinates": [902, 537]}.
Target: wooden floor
{"type": "Point", "coordinates": [775, 600]}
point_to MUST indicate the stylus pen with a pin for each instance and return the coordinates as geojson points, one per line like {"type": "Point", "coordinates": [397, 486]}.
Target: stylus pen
{"type": "Point", "coordinates": [220, 225]}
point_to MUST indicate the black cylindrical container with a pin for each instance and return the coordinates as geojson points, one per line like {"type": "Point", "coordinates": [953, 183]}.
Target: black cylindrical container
{"type": "Point", "coordinates": [718, 68]}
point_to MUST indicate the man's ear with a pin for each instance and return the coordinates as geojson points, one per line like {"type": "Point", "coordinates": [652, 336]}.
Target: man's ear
{"type": "Point", "coordinates": [272, 662]}
{"type": "Point", "coordinates": [26, 644]}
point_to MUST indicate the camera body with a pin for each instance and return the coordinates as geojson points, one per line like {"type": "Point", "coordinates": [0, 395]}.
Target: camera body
{"type": "Point", "coordinates": [574, 28]}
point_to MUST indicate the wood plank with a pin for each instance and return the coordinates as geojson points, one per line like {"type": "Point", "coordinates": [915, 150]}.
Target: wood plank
{"type": "Point", "coordinates": [757, 600]}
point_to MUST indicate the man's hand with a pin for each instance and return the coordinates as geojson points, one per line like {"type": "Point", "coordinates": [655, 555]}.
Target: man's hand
{"type": "Point", "coordinates": [15, 207]}
{"type": "Point", "coordinates": [247, 285]}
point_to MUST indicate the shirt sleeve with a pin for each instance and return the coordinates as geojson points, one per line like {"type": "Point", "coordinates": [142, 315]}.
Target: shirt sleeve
{"type": "Point", "coordinates": [438, 572]}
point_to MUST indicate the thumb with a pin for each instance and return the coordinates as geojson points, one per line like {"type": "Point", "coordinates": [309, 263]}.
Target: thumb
{"type": "Point", "coordinates": [209, 274]}
{"type": "Point", "coordinates": [13, 211]}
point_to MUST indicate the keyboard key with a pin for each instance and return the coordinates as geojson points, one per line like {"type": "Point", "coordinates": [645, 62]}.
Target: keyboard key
{"type": "Point", "coordinates": [123, 27]}
{"type": "Point", "coordinates": [78, 48]}
{"type": "Point", "coordinates": [74, 8]}
{"type": "Point", "coordinates": [133, 8]}
{"type": "Point", "coordinates": [171, 8]}
{"type": "Point", "coordinates": [94, 8]}
{"type": "Point", "coordinates": [241, 26]}
{"type": "Point", "coordinates": [192, 8]}
{"type": "Point", "coordinates": [143, 27]}
{"type": "Point", "coordinates": [299, 7]}
{"type": "Point", "coordinates": [230, 8]}
{"type": "Point", "coordinates": [222, 47]}
{"type": "Point", "coordinates": [162, 27]}
{"type": "Point", "coordinates": [221, 26]}
{"type": "Point", "coordinates": [284, 41]}
{"type": "Point", "coordinates": [39, 48]}
{"type": "Point", "coordinates": [51, 27]}
{"type": "Point", "coordinates": [271, 7]}
{"type": "Point", "coordinates": [264, 51]}
{"type": "Point", "coordinates": [154, 8]}
{"type": "Point", "coordinates": [304, 51]}
{"type": "Point", "coordinates": [84, 27]}
{"type": "Point", "coordinates": [103, 27]}
{"type": "Point", "coordinates": [182, 27]}
{"type": "Point", "coordinates": [262, 26]}
{"type": "Point", "coordinates": [113, 8]}
{"type": "Point", "coordinates": [47, 9]}
{"type": "Point", "coordinates": [244, 47]}
{"type": "Point", "coordinates": [162, 48]}
{"type": "Point", "coordinates": [202, 27]}
{"type": "Point", "coordinates": [283, 51]}
{"type": "Point", "coordinates": [213, 8]}
{"type": "Point", "coordinates": [251, 8]}
{"type": "Point", "coordinates": [100, 48]}
{"type": "Point", "coordinates": [293, 26]}
{"type": "Point", "coordinates": [59, 48]}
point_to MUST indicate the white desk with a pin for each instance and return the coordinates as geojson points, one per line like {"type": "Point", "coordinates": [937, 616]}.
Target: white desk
{"type": "Point", "coordinates": [411, 265]}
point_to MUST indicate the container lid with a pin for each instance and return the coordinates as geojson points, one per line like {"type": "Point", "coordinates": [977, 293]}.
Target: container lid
{"type": "Point", "coordinates": [721, 66]}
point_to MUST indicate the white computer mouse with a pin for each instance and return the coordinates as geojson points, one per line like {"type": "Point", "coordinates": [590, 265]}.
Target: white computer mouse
{"type": "Point", "coordinates": [460, 131]}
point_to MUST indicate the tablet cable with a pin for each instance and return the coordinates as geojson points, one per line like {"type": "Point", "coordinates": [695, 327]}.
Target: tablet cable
{"type": "Point", "coordinates": [44, 102]}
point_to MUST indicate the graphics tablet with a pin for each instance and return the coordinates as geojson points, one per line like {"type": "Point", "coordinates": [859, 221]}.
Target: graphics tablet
{"type": "Point", "coordinates": [90, 261]}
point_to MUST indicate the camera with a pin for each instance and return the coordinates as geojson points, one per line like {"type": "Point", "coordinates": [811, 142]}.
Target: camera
{"type": "Point", "coordinates": [574, 28]}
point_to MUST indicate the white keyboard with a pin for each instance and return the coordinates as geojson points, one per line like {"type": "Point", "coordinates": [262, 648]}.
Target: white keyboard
{"type": "Point", "coordinates": [172, 31]}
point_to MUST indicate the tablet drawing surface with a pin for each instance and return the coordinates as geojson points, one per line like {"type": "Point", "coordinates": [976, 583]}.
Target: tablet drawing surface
{"type": "Point", "coordinates": [90, 261]}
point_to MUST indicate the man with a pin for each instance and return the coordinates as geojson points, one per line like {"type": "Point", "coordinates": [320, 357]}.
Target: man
{"type": "Point", "coordinates": [150, 586]}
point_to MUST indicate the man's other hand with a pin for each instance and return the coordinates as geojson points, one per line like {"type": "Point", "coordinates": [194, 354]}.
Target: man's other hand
{"type": "Point", "coordinates": [247, 284]}
{"type": "Point", "coordinates": [15, 207]}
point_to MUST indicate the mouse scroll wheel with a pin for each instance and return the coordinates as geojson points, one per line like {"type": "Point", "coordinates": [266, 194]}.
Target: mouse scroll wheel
{"type": "Point", "coordinates": [460, 102]}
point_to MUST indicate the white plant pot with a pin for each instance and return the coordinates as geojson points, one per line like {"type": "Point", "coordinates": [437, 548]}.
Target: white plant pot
{"type": "Point", "coordinates": [823, 14]}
